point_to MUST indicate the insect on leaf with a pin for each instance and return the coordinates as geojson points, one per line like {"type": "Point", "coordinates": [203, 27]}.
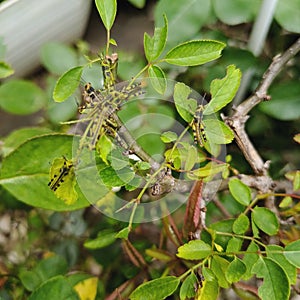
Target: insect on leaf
{"type": "Point", "coordinates": [62, 180]}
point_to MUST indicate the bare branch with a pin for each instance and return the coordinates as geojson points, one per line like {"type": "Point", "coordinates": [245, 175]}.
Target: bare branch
{"type": "Point", "coordinates": [239, 118]}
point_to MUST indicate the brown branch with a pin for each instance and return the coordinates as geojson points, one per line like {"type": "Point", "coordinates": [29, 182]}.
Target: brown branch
{"type": "Point", "coordinates": [274, 69]}
{"type": "Point", "coordinates": [238, 119]}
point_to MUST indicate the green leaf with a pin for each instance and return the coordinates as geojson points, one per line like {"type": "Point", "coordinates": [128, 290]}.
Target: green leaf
{"type": "Point", "coordinates": [217, 132]}
{"type": "Point", "coordinates": [250, 258]}
{"type": "Point", "coordinates": [240, 191]}
{"type": "Point", "coordinates": [233, 12]}
{"type": "Point", "coordinates": [287, 15]}
{"type": "Point", "coordinates": [235, 270]}
{"type": "Point", "coordinates": [112, 177]}
{"type": "Point", "coordinates": [155, 45]}
{"type": "Point", "coordinates": [25, 172]}
{"type": "Point", "coordinates": [209, 169]}
{"type": "Point", "coordinates": [209, 290]}
{"type": "Point", "coordinates": [159, 254]}
{"type": "Point", "coordinates": [158, 79]}
{"type": "Point", "coordinates": [58, 57]}
{"type": "Point", "coordinates": [5, 70]}
{"type": "Point", "coordinates": [187, 289]}
{"type": "Point", "coordinates": [241, 224]}
{"type": "Point", "coordinates": [104, 239]}
{"type": "Point", "coordinates": [297, 138]}
{"type": "Point", "coordinates": [21, 97]}
{"type": "Point", "coordinates": [184, 105]}
{"type": "Point", "coordinates": [194, 53]}
{"type": "Point", "coordinates": [223, 90]}
{"type": "Point", "coordinates": [276, 253]}
{"type": "Point", "coordinates": [67, 84]}
{"type": "Point", "coordinates": [45, 269]}
{"type": "Point", "coordinates": [123, 233]}
{"type": "Point", "coordinates": [169, 136]}
{"type": "Point", "coordinates": [234, 245]}
{"type": "Point", "coordinates": [219, 266]}
{"type": "Point", "coordinates": [138, 3]}
{"type": "Point", "coordinates": [19, 136]}
{"type": "Point", "coordinates": [107, 10]}
{"type": "Point", "coordinates": [292, 253]}
{"type": "Point", "coordinates": [104, 147]}
{"type": "Point", "coordinates": [156, 289]}
{"type": "Point", "coordinates": [55, 288]}
{"type": "Point", "coordinates": [192, 158]}
{"type": "Point", "coordinates": [194, 250]}
{"type": "Point", "coordinates": [185, 18]}
{"type": "Point", "coordinates": [285, 101]}
{"type": "Point", "coordinates": [276, 284]}
{"type": "Point", "coordinates": [265, 220]}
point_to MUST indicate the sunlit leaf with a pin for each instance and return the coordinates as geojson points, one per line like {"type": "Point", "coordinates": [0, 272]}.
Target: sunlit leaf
{"type": "Point", "coordinates": [209, 290]}
{"type": "Point", "coordinates": [87, 289]}
{"type": "Point", "coordinates": [194, 53]}
{"type": "Point", "coordinates": [168, 136]}
{"type": "Point", "coordinates": [194, 250]}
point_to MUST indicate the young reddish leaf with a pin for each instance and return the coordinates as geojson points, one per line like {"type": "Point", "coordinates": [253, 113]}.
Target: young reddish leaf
{"type": "Point", "coordinates": [67, 84]}
{"type": "Point", "coordinates": [194, 53]}
{"type": "Point", "coordinates": [159, 288]}
{"type": "Point", "coordinates": [276, 284]}
{"type": "Point", "coordinates": [194, 250]}
{"type": "Point", "coordinates": [192, 218]}
{"type": "Point", "coordinates": [240, 191]}
{"type": "Point", "coordinates": [107, 10]}
{"type": "Point", "coordinates": [265, 220]}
